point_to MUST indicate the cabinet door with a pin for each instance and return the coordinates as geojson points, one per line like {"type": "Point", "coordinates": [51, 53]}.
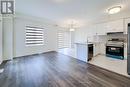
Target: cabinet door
{"type": "Point", "coordinates": [92, 30]}
{"type": "Point", "coordinates": [96, 49]}
{"type": "Point", "coordinates": [102, 48]}
{"type": "Point", "coordinates": [119, 25]}
{"type": "Point", "coordinates": [115, 26]}
{"type": "Point", "coordinates": [101, 29]}
{"type": "Point", "coordinates": [82, 52]}
{"type": "Point", "coordinates": [90, 33]}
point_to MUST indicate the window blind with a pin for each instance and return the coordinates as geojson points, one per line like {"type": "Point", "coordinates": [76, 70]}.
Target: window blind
{"type": "Point", "coordinates": [34, 36]}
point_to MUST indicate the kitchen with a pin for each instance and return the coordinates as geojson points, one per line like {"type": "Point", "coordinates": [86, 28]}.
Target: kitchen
{"type": "Point", "coordinates": [94, 43]}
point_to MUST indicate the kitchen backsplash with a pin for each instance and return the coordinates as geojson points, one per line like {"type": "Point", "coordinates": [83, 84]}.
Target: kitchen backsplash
{"type": "Point", "coordinates": [119, 36]}
{"type": "Point", "coordinates": [105, 38]}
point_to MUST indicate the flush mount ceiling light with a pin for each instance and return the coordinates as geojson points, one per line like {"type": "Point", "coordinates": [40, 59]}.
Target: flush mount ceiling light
{"type": "Point", "coordinates": [114, 10]}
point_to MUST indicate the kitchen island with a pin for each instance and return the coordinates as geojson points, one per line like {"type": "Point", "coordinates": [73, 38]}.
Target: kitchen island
{"type": "Point", "coordinates": [83, 51]}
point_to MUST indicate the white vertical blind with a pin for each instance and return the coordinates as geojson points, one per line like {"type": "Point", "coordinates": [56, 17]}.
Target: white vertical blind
{"type": "Point", "coordinates": [63, 39]}
{"type": "Point", "coordinates": [34, 36]}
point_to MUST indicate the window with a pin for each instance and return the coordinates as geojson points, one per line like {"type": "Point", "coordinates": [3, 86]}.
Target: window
{"type": "Point", "coordinates": [34, 36]}
{"type": "Point", "coordinates": [63, 39]}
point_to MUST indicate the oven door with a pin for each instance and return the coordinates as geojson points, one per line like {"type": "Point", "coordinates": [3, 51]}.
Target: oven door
{"type": "Point", "coordinates": [115, 52]}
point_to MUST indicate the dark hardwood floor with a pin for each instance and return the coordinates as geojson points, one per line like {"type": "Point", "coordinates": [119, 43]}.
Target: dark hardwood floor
{"type": "Point", "coordinates": [57, 70]}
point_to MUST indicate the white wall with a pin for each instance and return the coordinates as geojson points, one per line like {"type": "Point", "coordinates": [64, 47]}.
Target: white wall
{"type": "Point", "coordinates": [7, 25]}
{"type": "Point", "coordinates": [50, 32]}
{"type": "Point", "coordinates": [1, 55]}
{"type": "Point", "coordinates": [84, 33]}
{"type": "Point", "coordinates": [12, 36]}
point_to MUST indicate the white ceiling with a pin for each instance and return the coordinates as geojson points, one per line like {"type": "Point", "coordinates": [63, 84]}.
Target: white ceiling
{"type": "Point", "coordinates": [61, 10]}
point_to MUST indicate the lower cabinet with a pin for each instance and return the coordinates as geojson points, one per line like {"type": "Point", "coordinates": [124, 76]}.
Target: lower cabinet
{"type": "Point", "coordinates": [96, 49]}
{"type": "Point", "coordinates": [82, 52]}
{"type": "Point", "coordinates": [102, 48]}
{"type": "Point", "coordinates": [99, 48]}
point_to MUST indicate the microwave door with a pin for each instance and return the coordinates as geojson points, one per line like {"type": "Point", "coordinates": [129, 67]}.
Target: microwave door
{"type": "Point", "coordinates": [128, 56]}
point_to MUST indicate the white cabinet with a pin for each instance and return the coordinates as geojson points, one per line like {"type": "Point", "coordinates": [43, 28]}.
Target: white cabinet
{"type": "Point", "coordinates": [111, 26]}
{"type": "Point", "coordinates": [82, 51]}
{"type": "Point", "coordinates": [93, 30]}
{"type": "Point", "coordinates": [126, 25]}
{"type": "Point", "coordinates": [101, 29]}
{"type": "Point", "coordinates": [96, 49]}
{"type": "Point", "coordinates": [99, 48]}
{"type": "Point", "coordinates": [115, 26]}
{"type": "Point", "coordinates": [102, 48]}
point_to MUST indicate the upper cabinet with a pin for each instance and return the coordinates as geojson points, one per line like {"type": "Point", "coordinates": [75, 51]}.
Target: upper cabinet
{"type": "Point", "coordinates": [101, 29]}
{"type": "Point", "coordinates": [115, 26]}
{"type": "Point", "coordinates": [126, 25]}
{"type": "Point", "coordinates": [112, 26]}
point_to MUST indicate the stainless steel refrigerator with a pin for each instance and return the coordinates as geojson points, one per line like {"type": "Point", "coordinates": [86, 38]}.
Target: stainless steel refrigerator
{"type": "Point", "coordinates": [128, 58]}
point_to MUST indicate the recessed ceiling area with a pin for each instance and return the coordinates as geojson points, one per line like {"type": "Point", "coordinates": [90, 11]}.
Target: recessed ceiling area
{"type": "Point", "coordinates": [61, 10]}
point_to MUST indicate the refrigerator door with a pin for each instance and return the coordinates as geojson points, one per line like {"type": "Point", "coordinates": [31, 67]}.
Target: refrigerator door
{"type": "Point", "coordinates": [128, 57]}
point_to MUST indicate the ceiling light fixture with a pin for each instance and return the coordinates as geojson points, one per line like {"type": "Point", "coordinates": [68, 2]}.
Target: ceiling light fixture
{"type": "Point", "coordinates": [114, 10]}
{"type": "Point", "coordinates": [72, 25]}
{"type": "Point", "coordinates": [72, 29]}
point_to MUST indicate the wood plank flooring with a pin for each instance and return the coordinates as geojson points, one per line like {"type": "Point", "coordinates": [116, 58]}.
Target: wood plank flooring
{"type": "Point", "coordinates": [57, 70]}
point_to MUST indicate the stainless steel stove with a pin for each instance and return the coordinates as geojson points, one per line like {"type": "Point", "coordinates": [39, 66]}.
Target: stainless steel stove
{"type": "Point", "coordinates": [115, 48]}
